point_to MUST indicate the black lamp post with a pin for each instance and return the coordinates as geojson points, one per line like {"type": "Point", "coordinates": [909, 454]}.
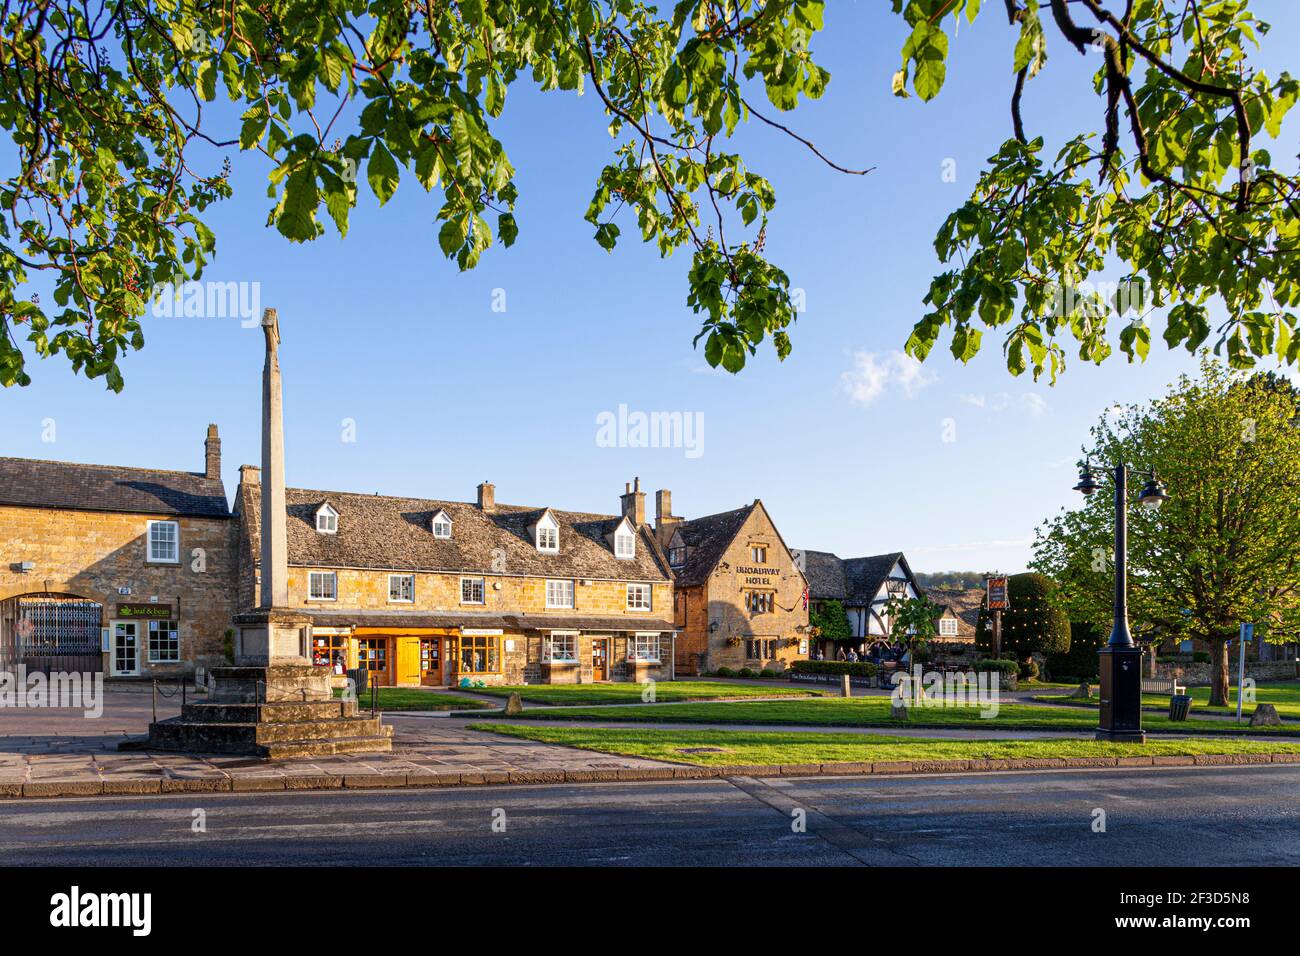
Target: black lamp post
{"type": "Point", "coordinates": [1121, 658]}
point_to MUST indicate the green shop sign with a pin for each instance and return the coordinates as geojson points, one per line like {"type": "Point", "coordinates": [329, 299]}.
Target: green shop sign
{"type": "Point", "coordinates": [160, 612]}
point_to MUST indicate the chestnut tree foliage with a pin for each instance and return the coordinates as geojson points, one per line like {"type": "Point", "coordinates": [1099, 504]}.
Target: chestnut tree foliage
{"type": "Point", "coordinates": [1225, 547]}
{"type": "Point", "coordinates": [106, 102]}
{"type": "Point", "coordinates": [1169, 203]}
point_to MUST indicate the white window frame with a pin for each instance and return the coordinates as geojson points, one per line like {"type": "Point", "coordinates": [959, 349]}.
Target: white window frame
{"type": "Point", "coordinates": [482, 587]}
{"type": "Point", "coordinates": [636, 588]}
{"type": "Point", "coordinates": [327, 520]}
{"type": "Point", "coordinates": [640, 639]}
{"type": "Point", "coordinates": [570, 641]}
{"type": "Point", "coordinates": [441, 520]}
{"type": "Point", "coordinates": [176, 542]}
{"type": "Point", "coordinates": [313, 576]}
{"type": "Point", "coordinates": [624, 538]}
{"type": "Point", "coordinates": [948, 627]}
{"type": "Point", "coordinates": [401, 600]}
{"type": "Point", "coordinates": [549, 533]}
{"type": "Point", "coordinates": [567, 584]}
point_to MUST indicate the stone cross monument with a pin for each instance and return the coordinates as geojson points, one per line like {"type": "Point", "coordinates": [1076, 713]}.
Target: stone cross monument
{"type": "Point", "coordinates": [275, 547]}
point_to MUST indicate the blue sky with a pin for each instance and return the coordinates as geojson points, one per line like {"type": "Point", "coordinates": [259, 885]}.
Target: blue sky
{"type": "Point", "coordinates": [843, 441]}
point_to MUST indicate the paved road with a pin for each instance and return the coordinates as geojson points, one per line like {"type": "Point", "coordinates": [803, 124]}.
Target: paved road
{"type": "Point", "coordinates": [1184, 817]}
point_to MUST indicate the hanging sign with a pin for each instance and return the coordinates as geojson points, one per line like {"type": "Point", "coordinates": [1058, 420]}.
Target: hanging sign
{"type": "Point", "coordinates": [998, 599]}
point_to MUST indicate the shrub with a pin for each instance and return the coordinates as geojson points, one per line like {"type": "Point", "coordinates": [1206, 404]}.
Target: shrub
{"type": "Point", "coordinates": [1080, 660]}
{"type": "Point", "coordinates": [1001, 665]}
{"type": "Point", "coordinates": [830, 621]}
{"type": "Point", "coordinates": [1200, 657]}
{"type": "Point", "coordinates": [856, 669]}
{"type": "Point", "coordinates": [745, 672]}
{"type": "Point", "coordinates": [770, 673]}
{"type": "Point", "coordinates": [724, 672]}
{"type": "Point", "coordinates": [1029, 669]}
{"type": "Point", "coordinates": [1032, 623]}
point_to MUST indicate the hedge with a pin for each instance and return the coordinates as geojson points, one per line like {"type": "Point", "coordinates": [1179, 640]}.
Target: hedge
{"type": "Point", "coordinates": [853, 669]}
{"type": "Point", "coordinates": [1004, 666]}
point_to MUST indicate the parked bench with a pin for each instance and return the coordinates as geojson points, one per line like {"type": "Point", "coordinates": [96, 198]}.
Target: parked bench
{"type": "Point", "coordinates": [1162, 685]}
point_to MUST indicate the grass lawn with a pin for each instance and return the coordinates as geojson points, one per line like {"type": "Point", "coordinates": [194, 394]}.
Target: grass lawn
{"type": "Point", "coordinates": [770, 747]}
{"type": "Point", "coordinates": [412, 698]}
{"type": "Point", "coordinates": [1284, 696]}
{"type": "Point", "coordinates": [625, 693]}
{"type": "Point", "coordinates": [867, 712]}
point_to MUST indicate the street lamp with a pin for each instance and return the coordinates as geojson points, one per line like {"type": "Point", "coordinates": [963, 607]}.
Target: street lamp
{"type": "Point", "coordinates": [1121, 658]}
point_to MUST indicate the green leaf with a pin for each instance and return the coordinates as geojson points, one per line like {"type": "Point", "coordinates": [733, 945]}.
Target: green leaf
{"type": "Point", "coordinates": [381, 173]}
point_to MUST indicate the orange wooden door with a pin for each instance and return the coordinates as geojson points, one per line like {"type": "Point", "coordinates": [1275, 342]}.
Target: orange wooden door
{"type": "Point", "coordinates": [600, 659]}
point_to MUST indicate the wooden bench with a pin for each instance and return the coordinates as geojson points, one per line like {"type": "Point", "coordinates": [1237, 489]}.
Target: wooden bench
{"type": "Point", "coordinates": [1162, 685]}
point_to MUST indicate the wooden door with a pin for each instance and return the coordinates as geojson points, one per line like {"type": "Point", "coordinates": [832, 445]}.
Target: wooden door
{"type": "Point", "coordinates": [126, 649]}
{"type": "Point", "coordinates": [600, 659]}
{"type": "Point", "coordinates": [431, 661]}
{"type": "Point", "coordinates": [408, 660]}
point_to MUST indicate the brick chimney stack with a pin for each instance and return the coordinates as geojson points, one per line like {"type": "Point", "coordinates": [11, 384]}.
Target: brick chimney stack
{"type": "Point", "coordinates": [212, 454]}
{"type": "Point", "coordinates": [487, 496]}
{"type": "Point", "coordinates": [250, 475]}
{"type": "Point", "coordinates": [665, 520]}
{"type": "Point", "coordinates": [633, 502]}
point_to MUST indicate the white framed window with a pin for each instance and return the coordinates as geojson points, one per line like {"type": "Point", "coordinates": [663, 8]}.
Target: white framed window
{"type": "Point", "coordinates": [758, 554]}
{"type": "Point", "coordinates": [327, 520]}
{"type": "Point", "coordinates": [441, 525]}
{"type": "Point", "coordinates": [948, 627]}
{"type": "Point", "coordinates": [322, 586]}
{"type": "Point", "coordinates": [164, 542]}
{"type": "Point", "coordinates": [548, 538]}
{"type": "Point", "coordinates": [401, 588]}
{"type": "Point", "coordinates": [471, 591]}
{"type": "Point", "coordinates": [624, 544]}
{"type": "Point", "coordinates": [759, 602]}
{"type": "Point", "coordinates": [560, 647]}
{"type": "Point", "coordinates": [643, 647]}
{"type": "Point", "coordinates": [164, 642]}
{"type": "Point", "coordinates": [559, 593]}
{"type": "Point", "coordinates": [677, 557]}
{"type": "Point", "coordinates": [638, 597]}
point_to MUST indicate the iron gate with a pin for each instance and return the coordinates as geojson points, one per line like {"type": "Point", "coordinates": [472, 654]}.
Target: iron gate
{"type": "Point", "coordinates": [50, 632]}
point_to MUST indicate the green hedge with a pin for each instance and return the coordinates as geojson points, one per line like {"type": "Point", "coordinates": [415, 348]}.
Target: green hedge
{"type": "Point", "coordinates": [853, 669]}
{"type": "Point", "coordinates": [1004, 666]}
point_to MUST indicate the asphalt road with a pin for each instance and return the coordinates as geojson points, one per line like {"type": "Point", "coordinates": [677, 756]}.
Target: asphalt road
{"type": "Point", "coordinates": [1175, 817]}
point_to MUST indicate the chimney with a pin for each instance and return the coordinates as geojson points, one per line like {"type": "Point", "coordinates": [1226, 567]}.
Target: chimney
{"type": "Point", "coordinates": [250, 475]}
{"type": "Point", "coordinates": [212, 454]}
{"type": "Point", "coordinates": [487, 496]}
{"type": "Point", "coordinates": [633, 501]}
{"type": "Point", "coordinates": [665, 520]}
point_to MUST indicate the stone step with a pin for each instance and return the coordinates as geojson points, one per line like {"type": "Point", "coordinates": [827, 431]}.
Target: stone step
{"type": "Point", "coordinates": [242, 737]}
{"type": "Point", "coordinates": [317, 729]}
{"type": "Point", "coordinates": [277, 712]}
{"type": "Point", "coordinates": [382, 743]}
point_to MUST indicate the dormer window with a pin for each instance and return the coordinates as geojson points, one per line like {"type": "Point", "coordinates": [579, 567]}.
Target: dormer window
{"type": "Point", "coordinates": [441, 525]}
{"type": "Point", "coordinates": [677, 556]}
{"type": "Point", "coordinates": [327, 520]}
{"type": "Point", "coordinates": [547, 534]}
{"type": "Point", "coordinates": [624, 541]}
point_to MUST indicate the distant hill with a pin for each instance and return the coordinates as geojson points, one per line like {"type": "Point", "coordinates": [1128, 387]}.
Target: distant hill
{"type": "Point", "coordinates": [964, 580]}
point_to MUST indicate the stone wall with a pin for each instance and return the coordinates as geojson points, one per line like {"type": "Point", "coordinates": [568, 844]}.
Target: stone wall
{"type": "Point", "coordinates": [92, 554]}
{"type": "Point", "coordinates": [1199, 674]}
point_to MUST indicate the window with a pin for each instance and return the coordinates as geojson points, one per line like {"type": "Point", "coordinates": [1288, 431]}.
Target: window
{"type": "Point", "coordinates": [401, 588]}
{"type": "Point", "coordinates": [330, 650]}
{"type": "Point", "coordinates": [322, 586]}
{"type": "Point", "coordinates": [758, 554]}
{"type": "Point", "coordinates": [638, 597]}
{"type": "Point", "coordinates": [559, 594]}
{"type": "Point", "coordinates": [760, 649]}
{"type": "Point", "coordinates": [480, 654]}
{"type": "Point", "coordinates": [372, 653]}
{"type": "Point", "coordinates": [327, 520]}
{"type": "Point", "coordinates": [164, 542]}
{"type": "Point", "coordinates": [643, 647]}
{"type": "Point", "coordinates": [164, 642]}
{"type": "Point", "coordinates": [759, 602]}
{"type": "Point", "coordinates": [441, 525]}
{"type": "Point", "coordinates": [548, 538]}
{"type": "Point", "coordinates": [948, 627]}
{"type": "Point", "coordinates": [677, 557]}
{"type": "Point", "coordinates": [471, 591]}
{"type": "Point", "coordinates": [430, 655]}
{"type": "Point", "coordinates": [560, 648]}
{"type": "Point", "coordinates": [624, 545]}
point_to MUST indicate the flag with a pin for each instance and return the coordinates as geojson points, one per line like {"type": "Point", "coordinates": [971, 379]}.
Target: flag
{"type": "Point", "coordinates": [805, 597]}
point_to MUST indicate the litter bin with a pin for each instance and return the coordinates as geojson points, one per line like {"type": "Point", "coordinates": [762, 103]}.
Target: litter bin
{"type": "Point", "coordinates": [1179, 705]}
{"type": "Point", "coordinates": [358, 677]}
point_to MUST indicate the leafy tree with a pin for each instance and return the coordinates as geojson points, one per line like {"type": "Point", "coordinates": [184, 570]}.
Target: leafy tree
{"type": "Point", "coordinates": [1032, 624]}
{"type": "Point", "coordinates": [830, 622]}
{"type": "Point", "coordinates": [912, 621]}
{"type": "Point", "coordinates": [1080, 661]}
{"type": "Point", "coordinates": [1225, 548]}
{"type": "Point", "coordinates": [106, 102]}
{"type": "Point", "coordinates": [1176, 189]}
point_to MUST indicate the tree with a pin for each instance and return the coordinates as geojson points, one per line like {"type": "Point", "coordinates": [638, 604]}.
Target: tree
{"type": "Point", "coordinates": [105, 103]}
{"type": "Point", "coordinates": [829, 621]}
{"type": "Point", "coordinates": [1225, 548]}
{"type": "Point", "coordinates": [1176, 189]}
{"type": "Point", "coordinates": [912, 620]}
{"type": "Point", "coordinates": [1080, 662]}
{"type": "Point", "coordinates": [1032, 623]}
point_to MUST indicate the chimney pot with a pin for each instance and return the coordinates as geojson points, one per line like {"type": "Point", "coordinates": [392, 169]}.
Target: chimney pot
{"type": "Point", "coordinates": [633, 503]}
{"type": "Point", "coordinates": [212, 454]}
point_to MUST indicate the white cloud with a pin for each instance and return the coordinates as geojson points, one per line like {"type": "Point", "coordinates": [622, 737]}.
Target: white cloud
{"type": "Point", "coordinates": [873, 373]}
{"type": "Point", "coordinates": [1029, 402]}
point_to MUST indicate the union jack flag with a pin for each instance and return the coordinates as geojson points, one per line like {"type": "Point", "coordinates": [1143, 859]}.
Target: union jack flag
{"type": "Point", "coordinates": [805, 597]}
